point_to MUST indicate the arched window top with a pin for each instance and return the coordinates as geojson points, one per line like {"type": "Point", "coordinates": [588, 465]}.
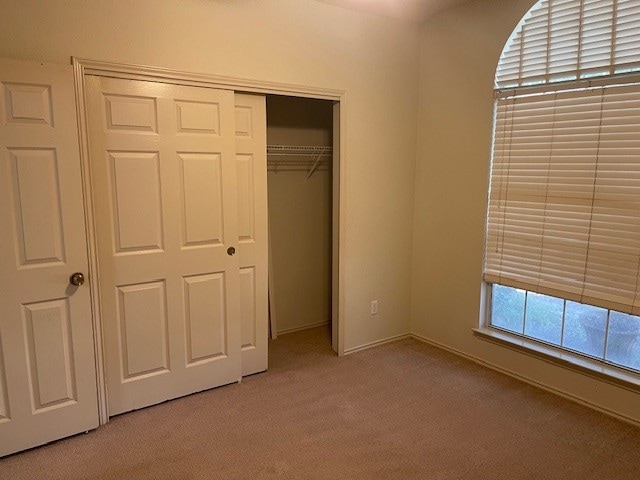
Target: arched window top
{"type": "Point", "coordinates": [567, 40]}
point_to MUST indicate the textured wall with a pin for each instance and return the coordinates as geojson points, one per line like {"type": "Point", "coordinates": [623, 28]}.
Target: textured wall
{"type": "Point", "coordinates": [301, 42]}
{"type": "Point", "coordinates": [460, 49]}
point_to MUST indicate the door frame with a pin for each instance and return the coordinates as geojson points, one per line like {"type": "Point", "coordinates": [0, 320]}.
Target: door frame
{"type": "Point", "coordinates": [84, 67]}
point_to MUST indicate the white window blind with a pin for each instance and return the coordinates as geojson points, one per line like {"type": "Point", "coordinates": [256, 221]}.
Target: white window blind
{"type": "Point", "coordinates": [564, 202]}
{"type": "Point", "coordinates": [564, 40]}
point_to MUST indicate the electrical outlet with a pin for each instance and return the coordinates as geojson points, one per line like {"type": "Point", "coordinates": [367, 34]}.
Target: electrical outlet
{"type": "Point", "coordinates": [374, 307]}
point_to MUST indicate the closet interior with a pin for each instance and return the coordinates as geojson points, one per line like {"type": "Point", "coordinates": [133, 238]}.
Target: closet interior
{"type": "Point", "coordinates": [299, 184]}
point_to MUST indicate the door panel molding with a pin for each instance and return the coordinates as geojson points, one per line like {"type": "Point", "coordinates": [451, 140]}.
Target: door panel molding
{"type": "Point", "coordinates": [138, 181]}
{"type": "Point", "coordinates": [86, 67]}
{"type": "Point", "coordinates": [251, 173]}
{"type": "Point", "coordinates": [47, 374]}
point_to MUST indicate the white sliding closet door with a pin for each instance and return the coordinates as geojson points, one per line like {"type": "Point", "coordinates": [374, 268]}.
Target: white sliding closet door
{"type": "Point", "coordinates": [47, 364]}
{"type": "Point", "coordinates": [251, 155]}
{"type": "Point", "coordinates": [163, 168]}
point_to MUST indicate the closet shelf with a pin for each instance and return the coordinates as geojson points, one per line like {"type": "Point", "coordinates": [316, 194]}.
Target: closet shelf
{"type": "Point", "coordinates": [298, 150]}
{"type": "Point", "coordinates": [299, 157]}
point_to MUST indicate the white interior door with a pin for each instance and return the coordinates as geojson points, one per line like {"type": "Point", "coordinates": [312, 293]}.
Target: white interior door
{"type": "Point", "coordinates": [251, 155]}
{"type": "Point", "coordinates": [163, 170]}
{"type": "Point", "coordinates": [47, 364]}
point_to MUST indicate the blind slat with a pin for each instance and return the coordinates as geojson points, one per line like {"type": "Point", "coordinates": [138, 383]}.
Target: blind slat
{"type": "Point", "coordinates": [564, 201]}
{"type": "Point", "coordinates": [560, 38]}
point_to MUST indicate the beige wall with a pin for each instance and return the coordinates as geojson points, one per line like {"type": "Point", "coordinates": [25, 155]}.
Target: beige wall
{"type": "Point", "coordinates": [291, 41]}
{"type": "Point", "coordinates": [459, 52]}
{"type": "Point", "coordinates": [376, 61]}
{"type": "Point", "coordinates": [300, 215]}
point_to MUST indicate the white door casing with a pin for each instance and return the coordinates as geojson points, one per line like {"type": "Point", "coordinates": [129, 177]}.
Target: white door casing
{"type": "Point", "coordinates": [335, 230]}
{"type": "Point", "coordinates": [47, 364]}
{"type": "Point", "coordinates": [251, 155]}
{"type": "Point", "coordinates": [163, 171]}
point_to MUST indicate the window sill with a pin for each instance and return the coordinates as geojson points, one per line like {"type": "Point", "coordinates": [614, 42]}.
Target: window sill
{"type": "Point", "coordinates": [571, 361]}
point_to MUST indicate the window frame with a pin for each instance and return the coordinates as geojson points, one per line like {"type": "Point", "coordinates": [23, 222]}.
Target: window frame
{"type": "Point", "coordinates": [599, 368]}
{"type": "Point", "coordinates": [570, 359]}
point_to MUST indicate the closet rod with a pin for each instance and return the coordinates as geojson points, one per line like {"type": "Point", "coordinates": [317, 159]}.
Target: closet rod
{"type": "Point", "coordinates": [323, 154]}
{"type": "Point", "coordinates": [293, 168]}
{"type": "Point", "coordinates": [297, 165]}
{"type": "Point", "coordinates": [307, 162]}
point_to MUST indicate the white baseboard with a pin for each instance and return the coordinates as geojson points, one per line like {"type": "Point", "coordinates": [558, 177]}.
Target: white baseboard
{"type": "Point", "coordinates": [528, 380]}
{"type": "Point", "coordinates": [366, 346]}
{"type": "Point", "coordinates": [303, 327]}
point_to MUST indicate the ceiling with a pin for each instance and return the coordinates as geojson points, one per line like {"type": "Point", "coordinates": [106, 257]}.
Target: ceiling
{"type": "Point", "coordinates": [415, 11]}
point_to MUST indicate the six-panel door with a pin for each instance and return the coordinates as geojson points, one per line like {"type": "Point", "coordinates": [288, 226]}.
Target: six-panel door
{"type": "Point", "coordinates": [47, 365]}
{"type": "Point", "coordinates": [179, 177]}
{"type": "Point", "coordinates": [163, 168]}
{"type": "Point", "coordinates": [251, 164]}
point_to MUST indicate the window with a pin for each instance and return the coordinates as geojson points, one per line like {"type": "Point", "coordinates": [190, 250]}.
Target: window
{"type": "Point", "coordinates": [563, 229]}
{"type": "Point", "coordinates": [601, 334]}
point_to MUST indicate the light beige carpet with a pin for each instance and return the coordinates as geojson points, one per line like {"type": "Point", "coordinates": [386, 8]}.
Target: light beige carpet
{"type": "Point", "coordinates": [399, 411]}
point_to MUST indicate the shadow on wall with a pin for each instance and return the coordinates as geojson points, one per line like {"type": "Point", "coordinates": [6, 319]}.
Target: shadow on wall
{"type": "Point", "coordinates": [300, 214]}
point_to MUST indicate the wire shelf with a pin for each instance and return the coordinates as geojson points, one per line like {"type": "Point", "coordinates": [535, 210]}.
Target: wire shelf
{"type": "Point", "coordinates": [299, 157]}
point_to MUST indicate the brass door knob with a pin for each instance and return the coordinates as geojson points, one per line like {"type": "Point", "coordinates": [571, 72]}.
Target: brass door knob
{"type": "Point", "coordinates": [77, 279]}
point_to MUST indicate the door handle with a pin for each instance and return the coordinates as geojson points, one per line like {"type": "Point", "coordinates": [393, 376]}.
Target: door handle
{"type": "Point", "coordinates": [231, 251]}
{"type": "Point", "coordinates": [77, 279]}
